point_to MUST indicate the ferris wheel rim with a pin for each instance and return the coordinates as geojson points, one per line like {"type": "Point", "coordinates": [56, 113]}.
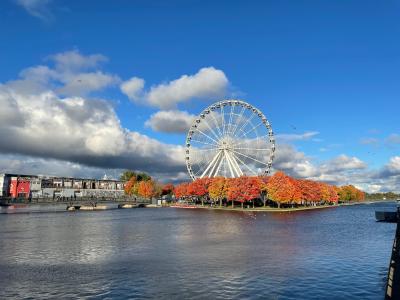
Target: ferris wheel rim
{"type": "Point", "coordinates": [234, 156]}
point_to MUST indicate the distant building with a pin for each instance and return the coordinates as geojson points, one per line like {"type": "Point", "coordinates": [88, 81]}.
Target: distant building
{"type": "Point", "coordinates": [33, 186]}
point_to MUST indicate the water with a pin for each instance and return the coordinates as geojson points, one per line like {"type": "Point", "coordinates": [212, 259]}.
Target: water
{"type": "Point", "coordinates": [336, 253]}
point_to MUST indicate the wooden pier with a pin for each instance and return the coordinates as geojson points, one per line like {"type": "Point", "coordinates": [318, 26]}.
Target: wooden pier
{"type": "Point", "coordinates": [393, 278]}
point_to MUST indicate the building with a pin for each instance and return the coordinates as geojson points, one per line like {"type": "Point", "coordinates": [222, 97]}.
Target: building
{"type": "Point", "coordinates": [33, 186]}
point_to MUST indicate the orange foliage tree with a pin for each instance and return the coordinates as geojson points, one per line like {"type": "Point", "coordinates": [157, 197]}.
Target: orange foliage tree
{"type": "Point", "coordinates": [281, 188]}
{"type": "Point", "coordinates": [147, 189]}
{"type": "Point", "coordinates": [129, 186]}
{"type": "Point", "coordinates": [243, 189]}
{"type": "Point", "coordinates": [180, 190]}
{"type": "Point", "coordinates": [217, 189]}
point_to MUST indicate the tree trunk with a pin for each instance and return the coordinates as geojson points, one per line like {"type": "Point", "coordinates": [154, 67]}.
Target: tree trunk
{"type": "Point", "coordinates": [202, 202]}
{"type": "Point", "coordinates": [242, 205]}
{"type": "Point", "coordinates": [233, 205]}
{"type": "Point", "coordinates": [220, 202]}
{"type": "Point", "coordinates": [253, 203]}
{"type": "Point", "coordinates": [279, 204]}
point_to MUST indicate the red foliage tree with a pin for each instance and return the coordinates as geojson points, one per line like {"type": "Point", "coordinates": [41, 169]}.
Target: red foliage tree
{"type": "Point", "coordinates": [281, 188]}
{"type": "Point", "coordinates": [167, 189]}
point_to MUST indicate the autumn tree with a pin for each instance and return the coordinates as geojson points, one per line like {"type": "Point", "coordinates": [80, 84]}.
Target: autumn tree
{"type": "Point", "coordinates": [167, 189]}
{"type": "Point", "coordinates": [263, 188]}
{"type": "Point", "coordinates": [243, 189]}
{"type": "Point", "coordinates": [180, 190]}
{"type": "Point", "coordinates": [146, 189]}
{"type": "Point", "coordinates": [129, 186]}
{"type": "Point", "coordinates": [280, 188]}
{"type": "Point", "coordinates": [217, 189]}
{"type": "Point", "coordinates": [199, 188]}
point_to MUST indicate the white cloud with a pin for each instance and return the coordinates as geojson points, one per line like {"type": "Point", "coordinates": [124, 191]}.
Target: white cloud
{"type": "Point", "coordinates": [73, 74]}
{"type": "Point", "coordinates": [290, 137]}
{"type": "Point", "coordinates": [170, 121]}
{"type": "Point", "coordinates": [133, 88]}
{"type": "Point", "coordinates": [343, 163]}
{"type": "Point", "coordinates": [206, 83]}
{"type": "Point", "coordinates": [74, 61]}
{"type": "Point", "coordinates": [81, 131]}
{"type": "Point", "coordinates": [293, 162]}
{"type": "Point", "coordinates": [37, 8]}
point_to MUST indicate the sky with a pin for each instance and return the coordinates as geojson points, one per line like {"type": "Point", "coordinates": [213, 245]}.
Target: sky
{"type": "Point", "coordinates": [92, 88]}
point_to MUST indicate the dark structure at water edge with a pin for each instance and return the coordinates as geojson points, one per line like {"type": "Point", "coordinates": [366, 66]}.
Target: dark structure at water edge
{"type": "Point", "coordinates": [393, 278]}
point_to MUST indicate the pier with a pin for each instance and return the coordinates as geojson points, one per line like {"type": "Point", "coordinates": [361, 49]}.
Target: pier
{"type": "Point", "coordinates": [393, 277]}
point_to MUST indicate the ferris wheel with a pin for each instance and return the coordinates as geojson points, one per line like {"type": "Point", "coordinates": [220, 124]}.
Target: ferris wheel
{"type": "Point", "coordinates": [230, 138]}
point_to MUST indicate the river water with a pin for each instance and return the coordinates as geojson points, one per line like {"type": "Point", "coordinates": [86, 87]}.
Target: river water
{"type": "Point", "coordinates": [167, 253]}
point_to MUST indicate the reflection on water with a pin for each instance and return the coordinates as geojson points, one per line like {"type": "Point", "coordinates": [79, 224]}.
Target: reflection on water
{"type": "Point", "coordinates": [337, 253]}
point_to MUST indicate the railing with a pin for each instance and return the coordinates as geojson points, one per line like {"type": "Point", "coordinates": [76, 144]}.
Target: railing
{"type": "Point", "coordinates": [50, 200]}
{"type": "Point", "coordinates": [393, 277]}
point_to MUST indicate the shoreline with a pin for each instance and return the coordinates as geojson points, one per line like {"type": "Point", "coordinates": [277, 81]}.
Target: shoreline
{"type": "Point", "coordinates": [275, 210]}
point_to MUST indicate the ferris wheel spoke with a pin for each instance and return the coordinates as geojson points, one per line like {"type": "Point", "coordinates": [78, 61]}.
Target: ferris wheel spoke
{"type": "Point", "coordinates": [246, 122]}
{"type": "Point", "coordinates": [216, 123]}
{"type": "Point", "coordinates": [248, 141]}
{"type": "Point", "coordinates": [206, 135]}
{"type": "Point", "coordinates": [230, 120]}
{"type": "Point", "coordinates": [252, 129]}
{"type": "Point", "coordinates": [215, 165]}
{"type": "Point", "coordinates": [205, 143]}
{"type": "Point", "coordinates": [222, 119]}
{"type": "Point", "coordinates": [234, 164]}
{"type": "Point", "coordinates": [249, 157]}
{"type": "Point", "coordinates": [239, 118]}
{"type": "Point", "coordinates": [251, 170]}
{"type": "Point", "coordinates": [205, 149]}
{"type": "Point", "coordinates": [210, 164]}
{"type": "Point", "coordinates": [229, 163]}
{"type": "Point", "coordinates": [209, 127]}
{"type": "Point", "coordinates": [253, 149]}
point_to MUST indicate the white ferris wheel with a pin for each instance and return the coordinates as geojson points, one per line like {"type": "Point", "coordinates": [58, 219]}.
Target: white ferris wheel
{"type": "Point", "coordinates": [230, 138]}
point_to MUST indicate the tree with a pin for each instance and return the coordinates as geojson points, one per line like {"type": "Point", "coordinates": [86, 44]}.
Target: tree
{"type": "Point", "coordinates": [129, 186]}
{"type": "Point", "coordinates": [146, 189]}
{"type": "Point", "coordinates": [199, 188]}
{"type": "Point", "coordinates": [281, 188]}
{"type": "Point", "coordinates": [167, 189]}
{"type": "Point", "coordinates": [180, 190]}
{"type": "Point", "coordinates": [143, 177]}
{"type": "Point", "coordinates": [217, 189]}
{"type": "Point", "coordinates": [263, 188]}
{"type": "Point", "coordinates": [126, 175]}
{"type": "Point", "coordinates": [243, 189]}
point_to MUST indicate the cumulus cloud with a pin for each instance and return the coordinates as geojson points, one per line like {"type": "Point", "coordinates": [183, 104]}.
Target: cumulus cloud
{"type": "Point", "coordinates": [37, 122]}
{"type": "Point", "coordinates": [290, 137]}
{"type": "Point", "coordinates": [206, 83]}
{"type": "Point", "coordinates": [293, 162]}
{"type": "Point", "coordinates": [343, 163]}
{"type": "Point", "coordinates": [37, 8]}
{"type": "Point", "coordinates": [133, 88]}
{"type": "Point", "coordinates": [82, 131]}
{"type": "Point", "coordinates": [170, 121]}
{"type": "Point", "coordinates": [73, 74]}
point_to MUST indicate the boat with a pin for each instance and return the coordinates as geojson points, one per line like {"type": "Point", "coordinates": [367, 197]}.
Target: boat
{"type": "Point", "coordinates": [386, 216]}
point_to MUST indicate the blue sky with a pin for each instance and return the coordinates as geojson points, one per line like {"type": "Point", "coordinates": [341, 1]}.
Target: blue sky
{"type": "Point", "coordinates": [326, 67]}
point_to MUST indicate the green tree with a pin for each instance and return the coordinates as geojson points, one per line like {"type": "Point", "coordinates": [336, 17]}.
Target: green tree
{"type": "Point", "coordinates": [127, 175]}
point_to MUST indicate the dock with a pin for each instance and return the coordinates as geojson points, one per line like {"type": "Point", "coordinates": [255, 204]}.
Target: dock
{"type": "Point", "coordinates": [393, 277]}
